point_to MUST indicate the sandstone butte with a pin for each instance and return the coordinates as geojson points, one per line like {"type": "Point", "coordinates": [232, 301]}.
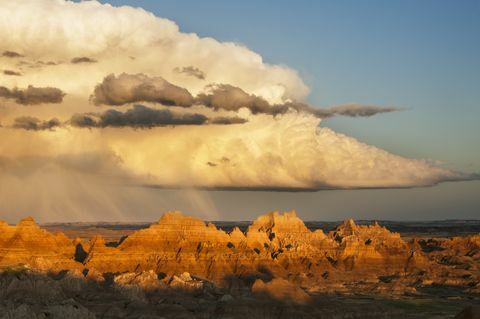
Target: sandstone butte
{"type": "Point", "coordinates": [276, 246]}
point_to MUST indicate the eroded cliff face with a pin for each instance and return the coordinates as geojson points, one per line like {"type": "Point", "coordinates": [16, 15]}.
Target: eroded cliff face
{"type": "Point", "coordinates": [27, 244]}
{"type": "Point", "coordinates": [275, 245]}
{"type": "Point", "coordinates": [176, 244]}
{"type": "Point", "coordinates": [349, 258]}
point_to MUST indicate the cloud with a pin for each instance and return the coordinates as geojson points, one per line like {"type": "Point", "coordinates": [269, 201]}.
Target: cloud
{"type": "Point", "coordinates": [231, 98]}
{"type": "Point", "coordinates": [278, 145]}
{"type": "Point", "coordinates": [11, 54]}
{"type": "Point", "coordinates": [132, 88]}
{"type": "Point", "coordinates": [287, 152]}
{"type": "Point", "coordinates": [138, 117]}
{"type": "Point", "coordinates": [128, 88]}
{"type": "Point", "coordinates": [10, 72]}
{"type": "Point", "coordinates": [192, 71]}
{"type": "Point", "coordinates": [225, 120]}
{"type": "Point", "coordinates": [31, 123]}
{"type": "Point", "coordinates": [144, 117]}
{"type": "Point", "coordinates": [112, 35]}
{"type": "Point", "coordinates": [349, 110]}
{"type": "Point", "coordinates": [47, 63]}
{"type": "Point", "coordinates": [33, 67]}
{"type": "Point", "coordinates": [85, 120]}
{"type": "Point", "coordinates": [83, 59]}
{"type": "Point", "coordinates": [33, 95]}
{"type": "Point", "coordinates": [355, 110]}
{"type": "Point", "coordinates": [36, 64]}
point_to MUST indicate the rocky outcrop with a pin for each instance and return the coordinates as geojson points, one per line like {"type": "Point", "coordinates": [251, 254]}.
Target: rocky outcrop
{"type": "Point", "coordinates": [276, 261]}
{"type": "Point", "coordinates": [275, 245]}
{"type": "Point", "coordinates": [124, 297]}
{"type": "Point", "coordinates": [28, 245]}
{"type": "Point", "coordinates": [135, 285]}
{"type": "Point", "coordinates": [349, 258]}
{"type": "Point", "coordinates": [173, 245]}
{"type": "Point", "coordinates": [369, 249]}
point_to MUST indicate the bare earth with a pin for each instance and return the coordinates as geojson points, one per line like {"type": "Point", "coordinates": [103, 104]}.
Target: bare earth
{"type": "Point", "coordinates": [274, 267]}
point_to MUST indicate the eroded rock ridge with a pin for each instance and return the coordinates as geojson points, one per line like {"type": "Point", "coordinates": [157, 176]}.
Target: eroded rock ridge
{"type": "Point", "coordinates": [277, 257]}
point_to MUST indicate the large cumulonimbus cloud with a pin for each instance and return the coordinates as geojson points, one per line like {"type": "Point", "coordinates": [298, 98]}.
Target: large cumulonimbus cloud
{"type": "Point", "coordinates": [193, 129]}
{"type": "Point", "coordinates": [132, 40]}
{"type": "Point", "coordinates": [289, 153]}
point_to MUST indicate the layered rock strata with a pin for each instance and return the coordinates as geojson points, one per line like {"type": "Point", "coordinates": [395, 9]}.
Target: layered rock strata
{"type": "Point", "coordinates": [349, 258]}
{"type": "Point", "coordinates": [26, 244]}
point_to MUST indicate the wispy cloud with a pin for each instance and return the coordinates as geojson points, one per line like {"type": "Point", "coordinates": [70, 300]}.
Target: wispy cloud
{"type": "Point", "coordinates": [83, 59]}
{"type": "Point", "coordinates": [12, 73]}
{"type": "Point", "coordinates": [191, 71]}
{"type": "Point", "coordinates": [33, 95]}
{"type": "Point", "coordinates": [31, 123]}
{"type": "Point", "coordinates": [11, 54]}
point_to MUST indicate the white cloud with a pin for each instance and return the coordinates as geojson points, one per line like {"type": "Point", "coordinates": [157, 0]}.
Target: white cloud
{"type": "Point", "coordinates": [286, 151]}
{"type": "Point", "coordinates": [132, 40]}
{"type": "Point", "coordinates": [289, 151]}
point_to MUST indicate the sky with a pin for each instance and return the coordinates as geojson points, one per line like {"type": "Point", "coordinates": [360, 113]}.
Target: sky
{"type": "Point", "coordinates": [412, 66]}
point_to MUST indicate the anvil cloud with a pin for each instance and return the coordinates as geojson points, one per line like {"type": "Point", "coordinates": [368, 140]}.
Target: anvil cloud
{"type": "Point", "coordinates": [78, 59]}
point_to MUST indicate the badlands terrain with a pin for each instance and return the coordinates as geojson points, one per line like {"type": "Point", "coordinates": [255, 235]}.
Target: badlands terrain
{"type": "Point", "coordinates": [273, 267]}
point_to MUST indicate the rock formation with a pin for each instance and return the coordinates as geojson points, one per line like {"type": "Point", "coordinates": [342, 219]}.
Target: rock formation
{"type": "Point", "coordinates": [173, 245]}
{"type": "Point", "coordinates": [28, 245]}
{"type": "Point", "coordinates": [277, 257]}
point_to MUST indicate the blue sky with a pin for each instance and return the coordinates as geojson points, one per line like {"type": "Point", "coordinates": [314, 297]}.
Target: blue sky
{"type": "Point", "coordinates": [420, 55]}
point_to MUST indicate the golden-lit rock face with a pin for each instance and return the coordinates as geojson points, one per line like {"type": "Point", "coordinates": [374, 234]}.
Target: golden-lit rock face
{"type": "Point", "coordinates": [275, 246]}
{"type": "Point", "coordinates": [369, 249]}
{"type": "Point", "coordinates": [28, 244]}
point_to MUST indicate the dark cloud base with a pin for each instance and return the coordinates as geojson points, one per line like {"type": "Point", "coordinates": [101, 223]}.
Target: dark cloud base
{"type": "Point", "coordinates": [144, 117]}
{"type": "Point", "coordinates": [33, 95]}
{"type": "Point", "coordinates": [134, 88]}
{"type": "Point", "coordinates": [31, 123]}
{"type": "Point", "coordinates": [11, 73]}
{"type": "Point", "coordinates": [467, 178]}
{"type": "Point", "coordinates": [191, 71]}
{"type": "Point", "coordinates": [138, 117]}
{"type": "Point", "coordinates": [83, 59]}
{"type": "Point", "coordinates": [12, 54]}
{"type": "Point", "coordinates": [128, 88]}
